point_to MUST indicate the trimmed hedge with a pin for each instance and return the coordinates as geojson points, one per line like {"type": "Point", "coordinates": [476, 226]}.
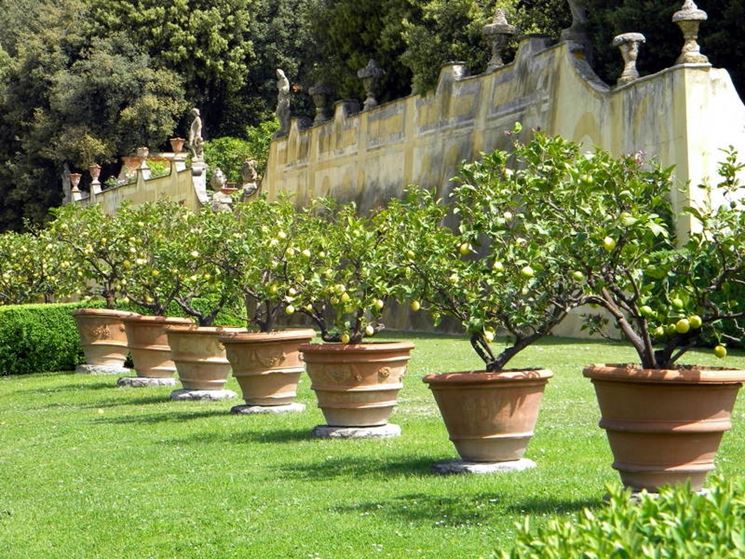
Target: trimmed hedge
{"type": "Point", "coordinates": [39, 338]}
{"type": "Point", "coordinates": [678, 524]}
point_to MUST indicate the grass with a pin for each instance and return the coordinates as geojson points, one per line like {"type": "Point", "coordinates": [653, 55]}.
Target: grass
{"type": "Point", "coordinates": [91, 471]}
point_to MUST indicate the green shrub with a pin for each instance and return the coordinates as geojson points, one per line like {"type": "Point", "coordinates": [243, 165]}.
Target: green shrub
{"type": "Point", "coordinates": [678, 524]}
{"type": "Point", "coordinates": [39, 338]}
{"type": "Point", "coordinates": [228, 154]}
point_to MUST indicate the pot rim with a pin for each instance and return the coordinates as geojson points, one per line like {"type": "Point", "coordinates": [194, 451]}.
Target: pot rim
{"type": "Point", "coordinates": [285, 335]}
{"type": "Point", "coordinates": [104, 312]}
{"type": "Point", "coordinates": [368, 347]}
{"type": "Point", "coordinates": [686, 374]}
{"type": "Point", "coordinates": [195, 329]}
{"type": "Point", "coordinates": [166, 320]}
{"type": "Point", "coordinates": [481, 377]}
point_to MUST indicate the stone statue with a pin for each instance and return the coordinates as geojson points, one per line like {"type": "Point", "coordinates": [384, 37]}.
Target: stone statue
{"type": "Point", "coordinates": [250, 179]}
{"type": "Point", "coordinates": [283, 103]}
{"type": "Point", "coordinates": [196, 142]}
{"type": "Point", "coordinates": [219, 180]}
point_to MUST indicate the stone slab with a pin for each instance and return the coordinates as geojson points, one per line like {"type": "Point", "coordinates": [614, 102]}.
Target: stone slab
{"type": "Point", "coordinates": [386, 431]}
{"type": "Point", "coordinates": [185, 394]}
{"type": "Point", "coordinates": [464, 467]}
{"type": "Point", "coordinates": [250, 409]}
{"type": "Point", "coordinates": [142, 382]}
{"type": "Point", "coordinates": [85, 369]}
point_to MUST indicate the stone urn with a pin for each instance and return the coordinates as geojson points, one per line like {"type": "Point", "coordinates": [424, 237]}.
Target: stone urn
{"type": "Point", "coordinates": [104, 340]}
{"type": "Point", "coordinates": [267, 366]}
{"type": "Point", "coordinates": [490, 417]}
{"type": "Point", "coordinates": [664, 426]}
{"type": "Point", "coordinates": [151, 354]}
{"type": "Point", "coordinates": [201, 362]}
{"type": "Point", "coordinates": [356, 385]}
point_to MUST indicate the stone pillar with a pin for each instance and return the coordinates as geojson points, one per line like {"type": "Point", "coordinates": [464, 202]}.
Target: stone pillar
{"type": "Point", "coordinates": [629, 44]}
{"type": "Point", "coordinates": [689, 18]}
{"type": "Point", "coordinates": [142, 168]}
{"type": "Point", "coordinates": [321, 94]}
{"type": "Point", "coordinates": [371, 76]}
{"type": "Point", "coordinates": [497, 33]}
{"type": "Point", "coordinates": [77, 196]}
{"type": "Point", "coordinates": [95, 172]}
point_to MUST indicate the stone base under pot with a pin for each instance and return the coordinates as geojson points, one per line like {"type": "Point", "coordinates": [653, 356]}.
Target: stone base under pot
{"type": "Point", "coordinates": [144, 382]}
{"type": "Point", "coordinates": [85, 369]}
{"type": "Point", "coordinates": [465, 467]}
{"type": "Point", "coordinates": [387, 431]}
{"type": "Point", "coordinates": [251, 409]}
{"type": "Point", "coordinates": [185, 394]}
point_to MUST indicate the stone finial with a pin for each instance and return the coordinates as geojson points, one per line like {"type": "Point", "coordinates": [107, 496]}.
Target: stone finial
{"type": "Point", "coordinates": [283, 103]}
{"type": "Point", "coordinates": [177, 144]}
{"type": "Point", "coordinates": [629, 44]}
{"type": "Point", "coordinates": [196, 141]}
{"type": "Point", "coordinates": [75, 181]}
{"type": "Point", "coordinates": [95, 172]}
{"type": "Point", "coordinates": [689, 18]}
{"type": "Point", "coordinates": [497, 33]}
{"type": "Point", "coordinates": [371, 76]}
{"type": "Point", "coordinates": [142, 167]}
{"type": "Point", "coordinates": [321, 95]}
{"type": "Point", "coordinates": [577, 32]}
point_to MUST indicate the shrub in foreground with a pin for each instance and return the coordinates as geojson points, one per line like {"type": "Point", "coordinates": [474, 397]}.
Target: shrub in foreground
{"type": "Point", "coordinates": [676, 524]}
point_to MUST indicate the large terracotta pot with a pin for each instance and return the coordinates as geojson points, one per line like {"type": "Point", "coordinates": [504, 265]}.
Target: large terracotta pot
{"type": "Point", "coordinates": [267, 366]}
{"type": "Point", "coordinates": [664, 426]}
{"type": "Point", "coordinates": [490, 417]}
{"type": "Point", "coordinates": [356, 384]}
{"type": "Point", "coordinates": [148, 344]}
{"type": "Point", "coordinates": [103, 336]}
{"type": "Point", "coordinates": [199, 356]}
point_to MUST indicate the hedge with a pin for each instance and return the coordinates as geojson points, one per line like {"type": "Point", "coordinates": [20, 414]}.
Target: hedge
{"type": "Point", "coordinates": [39, 338]}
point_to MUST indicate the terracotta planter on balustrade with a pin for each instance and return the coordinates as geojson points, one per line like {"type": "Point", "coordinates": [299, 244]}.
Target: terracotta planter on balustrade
{"type": "Point", "coordinates": [148, 344]}
{"type": "Point", "coordinates": [104, 340]}
{"type": "Point", "coordinates": [199, 356]}
{"type": "Point", "coordinates": [664, 425]}
{"type": "Point", "coordinates": [267, 365]}
{"type": "Point", "coordinates": [356, 385]}
{"type": "Point", "coordinates": [490, 417]}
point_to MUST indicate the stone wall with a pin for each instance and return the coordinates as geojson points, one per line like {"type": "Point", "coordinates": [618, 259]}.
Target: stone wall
{"type": "Point", "coordinates": [683, 116]}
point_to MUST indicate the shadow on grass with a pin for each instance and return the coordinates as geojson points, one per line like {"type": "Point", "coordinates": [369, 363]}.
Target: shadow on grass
{"type": "Point", "coordinates": [124, 401]}
{"type": "Point", "coordinates": [359, 468]}
{"type": "Point", "coordinates": [169, 416]}
{"type": "Point", "coordinates": [273, 436]}
{"type": "Point", "coordinates": [463, 509]}
{"type": "Point", "coordinates": [79, 387]}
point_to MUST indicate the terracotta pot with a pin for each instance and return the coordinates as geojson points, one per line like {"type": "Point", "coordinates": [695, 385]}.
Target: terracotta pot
{"type": "Point", "coordinates": [102, 336]}
{"type": "Point", "coordinates": [148, 344]}
{"type": "Point", "coordinates": [199, 356]}
{"type": "Point", "coordinates": [664, 426]}
{"type": "Point", "coordinates": [356, 384]}
{"type": "Point", "coordinates": [267, 366]}
{"type": "Point", "coordinates": [490, 416]}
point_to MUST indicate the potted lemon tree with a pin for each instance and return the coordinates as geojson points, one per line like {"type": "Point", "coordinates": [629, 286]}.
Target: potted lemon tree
{"type": "Point", "coordinates": [664, 419]}
{"type": "Point", "coordinates": [500, 271]}
{"type": "Point", "coordinates": [257, 254]}
{"type": "Point", "coordinates": [99, 246]}
{"type": "Point", "coordinates": [342, 284]}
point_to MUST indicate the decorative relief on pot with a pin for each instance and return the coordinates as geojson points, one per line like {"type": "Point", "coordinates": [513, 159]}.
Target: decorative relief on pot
{"type": "Point", "coordinates": [100, 332]}
{"type": "Point", "coordinates": [270, 358]}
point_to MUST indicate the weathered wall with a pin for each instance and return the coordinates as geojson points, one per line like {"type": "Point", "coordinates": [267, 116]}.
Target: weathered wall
{"type": "Point", "coordinates": [181, 185]}
{"type": "Point", "coordinates": [683, 116]}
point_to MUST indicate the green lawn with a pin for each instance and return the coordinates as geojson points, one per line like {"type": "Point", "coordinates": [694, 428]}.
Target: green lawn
{"type": "Point", "coordinates": [88, 470]}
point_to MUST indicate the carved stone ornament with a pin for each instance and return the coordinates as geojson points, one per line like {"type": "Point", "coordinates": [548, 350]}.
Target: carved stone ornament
{"type": "Point", "coordinates": [371, 76]}
{"type": "Point", "coordinates": [497, 33]}
{"type": "Point", "coordinates": [321, 95]}
{"type": "Point", "coordinates": [629, 44]}
{"type": "Point", "coordinates": [689, 18]}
